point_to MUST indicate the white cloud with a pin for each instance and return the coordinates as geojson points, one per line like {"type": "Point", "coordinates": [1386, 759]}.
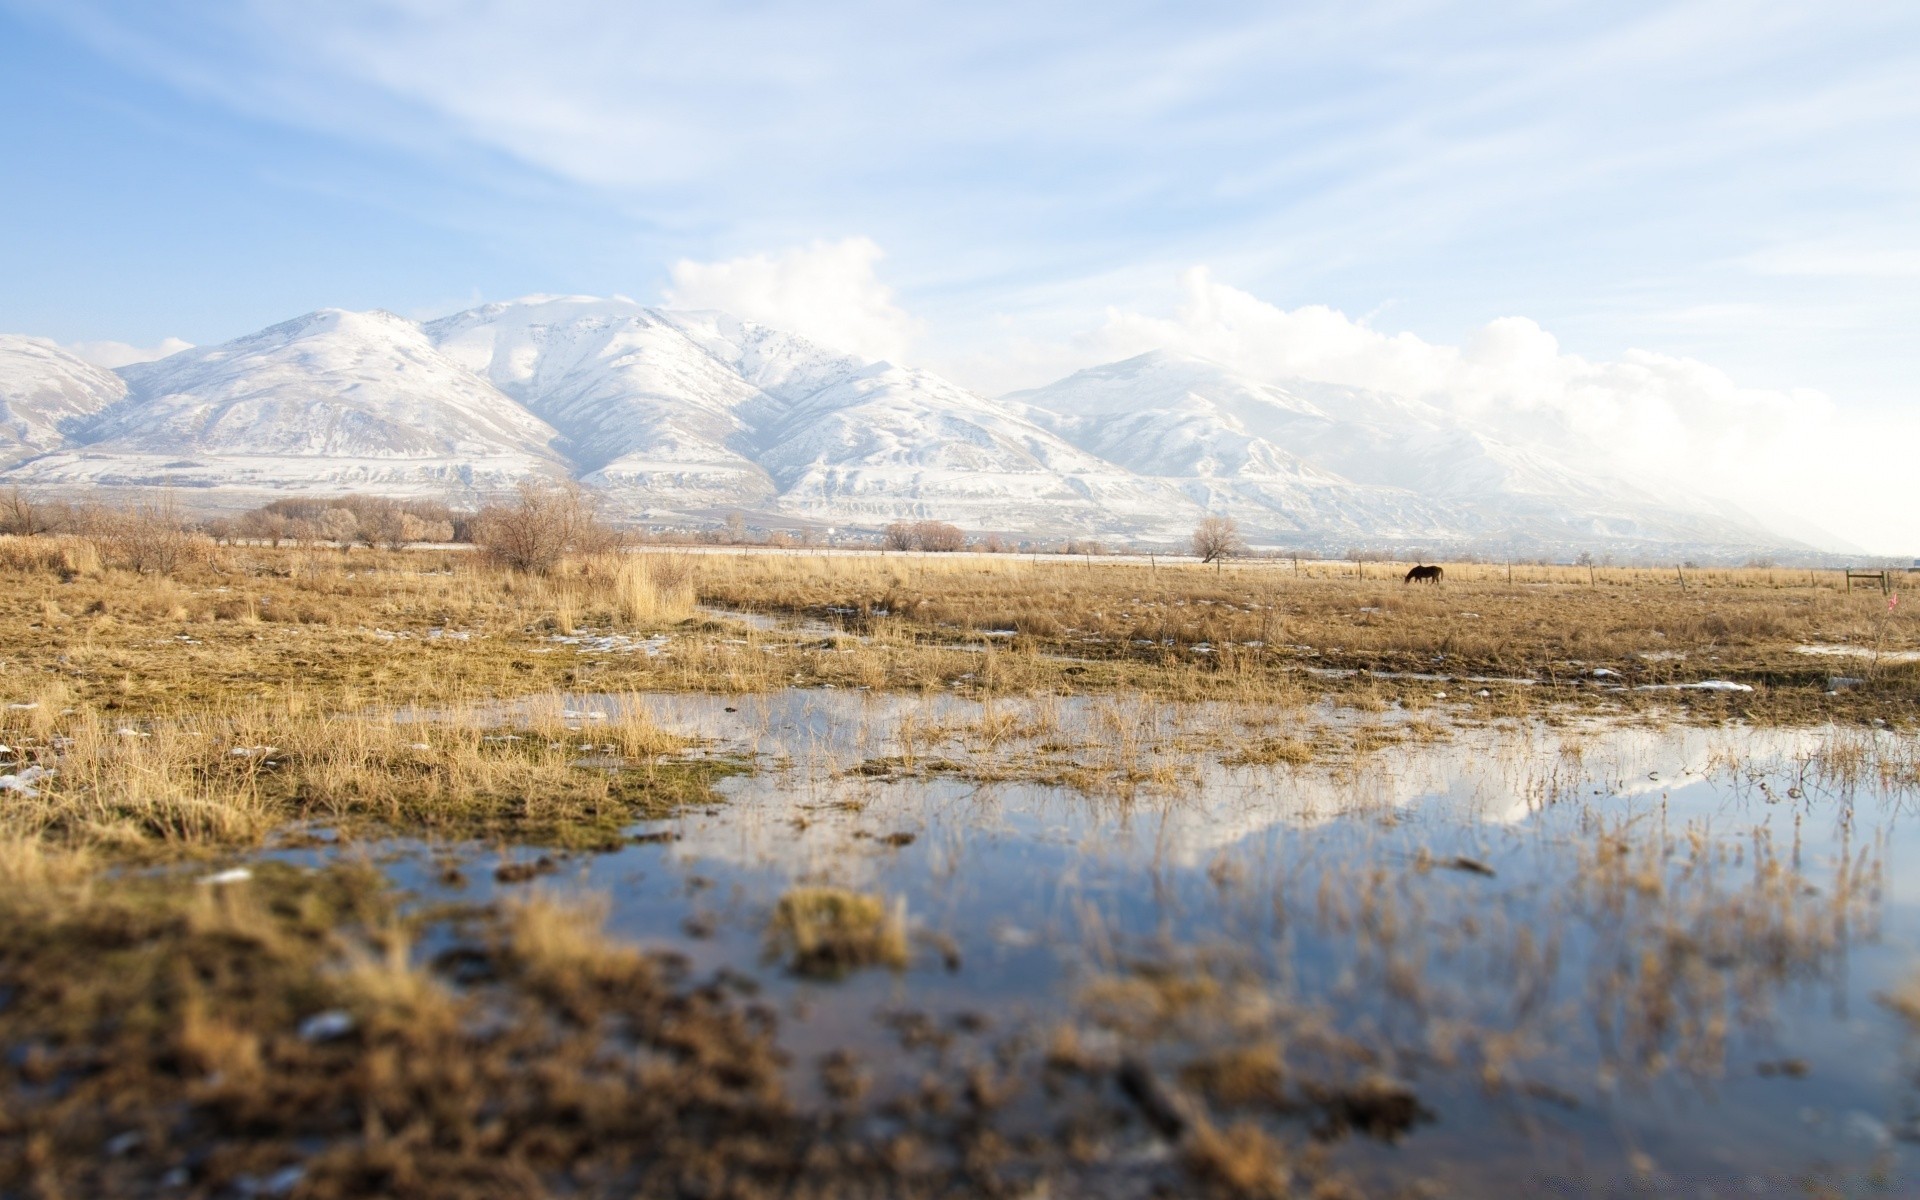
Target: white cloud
{"type": "Point", "coordinates": [1648, 413]}
{"type": "Point", "coordinates": [1655, 416]}
{"type": "Point", "coordinates": [825, 291]}
{"type": "Point", "coordinates": [121, 354]}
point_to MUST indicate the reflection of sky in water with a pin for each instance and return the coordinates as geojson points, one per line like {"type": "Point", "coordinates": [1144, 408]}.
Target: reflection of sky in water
{"type": "Point", "coordinates": [1028, 881]}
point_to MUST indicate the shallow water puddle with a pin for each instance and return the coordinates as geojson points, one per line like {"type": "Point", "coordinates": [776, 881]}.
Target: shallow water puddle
{"type": "Point", "coordinates": [1588, 960]}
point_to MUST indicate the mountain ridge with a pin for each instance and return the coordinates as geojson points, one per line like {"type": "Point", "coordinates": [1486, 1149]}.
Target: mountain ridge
{"type": "Point", "coordinates": [682, 415]}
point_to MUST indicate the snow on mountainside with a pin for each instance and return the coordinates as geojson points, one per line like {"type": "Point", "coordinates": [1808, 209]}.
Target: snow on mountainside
{"type": "Point", "coordinates": [662, 405]}
{"type": "Point", "coordinates": [694, 410]}
{"type": "Point", "coordinates": [891, 442]}
{"type": "Point", "coordinates": [44, 391]}
{"type": "Point", "coordinates": [330, 399]}
{"type": "Point", "coordinates": [1316, 458]}
{"type": "Point", "coordinates": [685, 415]}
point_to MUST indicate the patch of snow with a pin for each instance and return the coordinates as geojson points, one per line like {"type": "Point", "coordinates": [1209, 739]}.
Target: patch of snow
{"type": "Point", "coordinates": [1705, 685]}
{"type": "Point", "coordinates": [326, 1026]}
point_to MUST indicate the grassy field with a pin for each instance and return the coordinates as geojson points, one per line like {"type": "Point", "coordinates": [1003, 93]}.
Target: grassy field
{"type": "Point", "coordinates": [161, 727]}
{"type": "Point", "coordinates": [252, 686]}
{"type": "Point", "coordinates": [249, 624]}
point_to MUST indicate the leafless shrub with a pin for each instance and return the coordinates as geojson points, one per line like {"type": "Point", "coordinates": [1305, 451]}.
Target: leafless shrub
{"type": "Point", "coordinates": [338, 525]}
{"type": "Point", "coordinates": [541, 525]}
{"type": "Point", "coordinates": [940, 536]}
{"type": "Point", "coordinates": [23, 516]}
{"type": "Point", "coordinates": [151, 537]}
{"type": "Point", "coordinates": [263, 526]}
{"type": "Point", "coordinates": [1216, 538]}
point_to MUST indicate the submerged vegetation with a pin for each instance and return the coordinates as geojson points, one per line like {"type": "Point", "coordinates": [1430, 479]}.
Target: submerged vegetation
{"type": "Point", "coordinates": [333, 872]}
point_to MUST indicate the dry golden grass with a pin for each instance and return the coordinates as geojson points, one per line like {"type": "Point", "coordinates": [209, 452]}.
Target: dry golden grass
{"type": "Point", "coordinates": [233, 776]}
{"type": "Point", "coordinates": [368, 627]}
{"type": "Point", "coordinates": [1241, 1161]}
{"type": "Point", "coordinates": [249, 693]}
{"type": "Point", "coordinates": [827, 932]}
{"type": "Point", "coordinates": [559, 941]}
{"type": "Point", "coordinates": [181, 1015]}
{"type": "Point", "coordinates": [247, 687]}
{"type": "Point", "coordinates": [1547, 616]}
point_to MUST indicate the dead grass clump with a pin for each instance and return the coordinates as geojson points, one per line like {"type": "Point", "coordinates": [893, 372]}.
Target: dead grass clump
{"type": "Point", "coordinates": [654, 587]}
{"type": "Point", "coordinates": [1145, 997]}
{"type": "Point", "coordinates": [66, 557]}
{"type": "Point", "coordinates": [560, 943]}
{"type": "Point", "coordinates": [381, 979]}
{"type": "Point", "coordinates": [1904, 1000]}
{"type": "Point", "coordinates": [1240, 1076]}
{"type": "Point", "coordinates": [222, 1025]}
{"type": "Point", "coordinates": [1272, 751]}
{"type": "Point", "coordinates": [828, 932]}
{"type": "Point", "coordinates": [34, 872]}
{"type": "Point", "coordinates": [1241, 1161]}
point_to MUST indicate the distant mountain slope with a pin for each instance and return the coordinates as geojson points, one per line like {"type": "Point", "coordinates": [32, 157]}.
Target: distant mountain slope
{"type": "Point", "coordinates": [44, 393]}
{"type": "Point", "coordinates": [687, 415]}
{"type": "Point", "coordinates": [660, 406]}
{"type": "Point", "coordinates": [330, 399]}
{"type": "Point", "coordinates": [1314, 458]}
{"type": "Point", "coordinates": [695, 410]}
{"type": "Point", "coordinates": [891, 442]}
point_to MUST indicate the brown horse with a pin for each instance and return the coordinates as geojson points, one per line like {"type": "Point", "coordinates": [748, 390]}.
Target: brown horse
{"type": "Point", "coordinates": [1424, 575]}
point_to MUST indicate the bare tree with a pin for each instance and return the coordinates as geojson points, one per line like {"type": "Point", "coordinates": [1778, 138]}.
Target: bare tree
{"type": "Point", "coordinates": [150, 536]}
{"type": "Point", "coordinates": [264, 526]}
{"type": "Point", "coordinates": [339, 525]}
{"type": "Point", "coordinates": [939, 536]}
{"type": "Point", "coordinates": [541, 525]}
{"type": "Point", "coordinates": [900, 536]}
{"type": "Point", "coordinates": [21, 515]}
{"type": "Point", "coordinates": [936, 536]}
{"type": "Point", "coordinates": [1216, 538]}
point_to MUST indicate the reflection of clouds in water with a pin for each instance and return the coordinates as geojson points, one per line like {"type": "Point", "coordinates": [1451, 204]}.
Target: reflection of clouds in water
{"type": "Point", "coordinates": [1326, 886]}
{"type": "Point", "coordinates": [814, 820]}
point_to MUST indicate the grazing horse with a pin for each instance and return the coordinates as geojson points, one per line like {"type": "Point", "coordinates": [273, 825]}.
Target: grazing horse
{"type": "Point", "coordinates": [1424, 575]}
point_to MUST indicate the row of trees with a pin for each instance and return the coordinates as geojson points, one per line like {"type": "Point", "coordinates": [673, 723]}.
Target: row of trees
{"type": "Point", "coordinates": [346, 520]}
{"type": "Point", "coordinates": [533, 529]}
{"type": "Point", "coordinates": [925, 535]}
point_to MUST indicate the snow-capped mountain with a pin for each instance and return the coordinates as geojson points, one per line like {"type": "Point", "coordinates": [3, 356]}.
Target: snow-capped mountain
{"type": "Point", "coordinates": [331, 399]}
{"type": "Point", "coordinates": [687, 415]}
{"type": "Point", "coordinates": [671, 411]}
{"type": "Point", "coordinates": [45, 392]}
{"type": "Point", "coordinates": [1317, 459]}
{"type": "Point", "coordinates": [890, 441]}
{"type": "Point", "coordinates": [660, 406]}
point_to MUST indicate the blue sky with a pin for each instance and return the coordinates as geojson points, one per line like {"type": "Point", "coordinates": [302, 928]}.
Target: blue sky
{"type": "Point", "coordinates": [1710, 212]}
